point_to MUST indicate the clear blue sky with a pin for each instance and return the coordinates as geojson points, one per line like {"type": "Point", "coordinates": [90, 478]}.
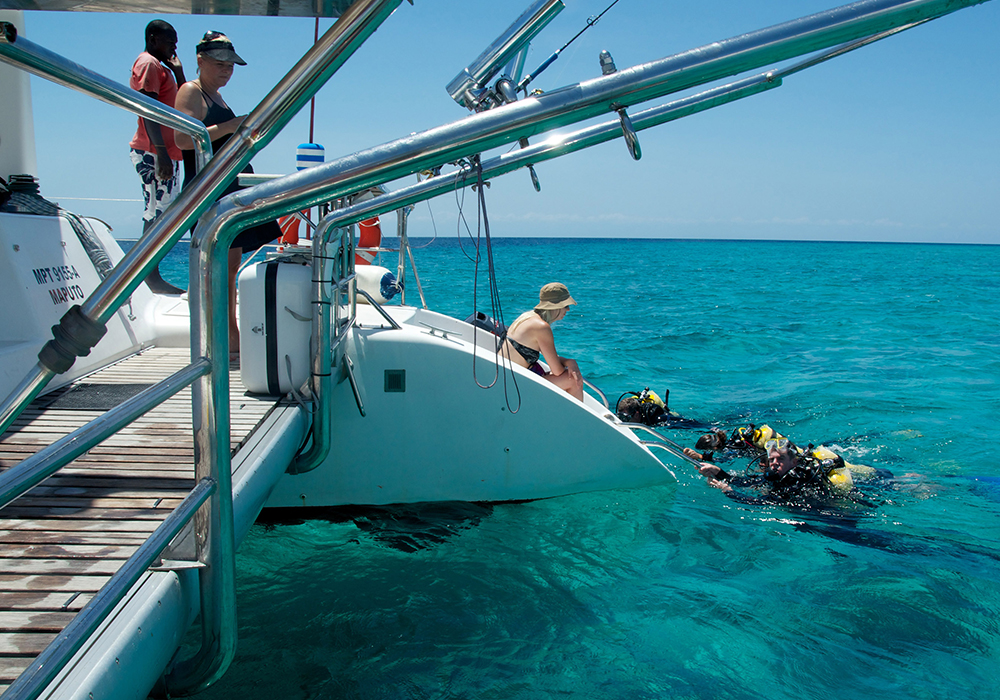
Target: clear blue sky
{"type": "Point", "coordinates": [896, 142]}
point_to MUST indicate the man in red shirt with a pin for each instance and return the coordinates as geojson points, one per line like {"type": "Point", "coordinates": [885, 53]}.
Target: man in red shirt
{"type": "Point", "coordinates": [154, 154]}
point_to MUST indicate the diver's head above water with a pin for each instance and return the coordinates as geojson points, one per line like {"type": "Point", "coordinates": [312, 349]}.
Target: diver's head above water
{"type": "Point", "coordinates": [715, 440]}
{"type": "Point", "coordinates": [780, 458]}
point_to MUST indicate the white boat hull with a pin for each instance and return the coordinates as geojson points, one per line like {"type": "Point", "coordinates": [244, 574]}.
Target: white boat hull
{"type": "Point", "coordinates": [444, 438]}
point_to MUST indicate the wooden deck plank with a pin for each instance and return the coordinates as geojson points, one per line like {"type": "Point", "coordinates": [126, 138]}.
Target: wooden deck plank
{"type": "Point", "coordinates": [11, 668]}
{"type": "Point", "coordinates": [45, 600]}
{"type": "Point", "coordinates": [41, 494]}
{"type": "Point", "coordinates": [113, 502]}
{"type": "Point", "coordinates": [64, 551]}
{"type": "Point", "coordinates": [68, 567]}
{"type": "Point", "coordinates": [34, 621]}
{"type": "Point", "coordinates": [57, 513]}
{"type": "Point", "coordinates": [64, 539]}
{"type": "Point", "coordinates": [54, 583]}
{"type": "Point", "coordinates": [61, 537]}
{"type": "Point", "coordinates": [77, 525]}
{"type": "Point", "coordinates": [25, 644]}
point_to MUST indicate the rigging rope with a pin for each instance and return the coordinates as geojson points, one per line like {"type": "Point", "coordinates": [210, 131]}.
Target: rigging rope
{"type": "Point", "coordinates": [496, 307]}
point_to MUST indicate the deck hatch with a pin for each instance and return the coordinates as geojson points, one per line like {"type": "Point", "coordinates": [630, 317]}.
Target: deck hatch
{"type": "Point", "coordinates": [395, 381]}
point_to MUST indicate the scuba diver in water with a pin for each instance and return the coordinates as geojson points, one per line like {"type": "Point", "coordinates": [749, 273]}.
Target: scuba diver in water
{"type": "Point", "coordinates": [789, 474]}
{"type": "Point", "coordinates": [785, 476]}
{"type": "Point", "coordinates": [649, 409]}
{"type": "Point", "coordinates": [742, 441]}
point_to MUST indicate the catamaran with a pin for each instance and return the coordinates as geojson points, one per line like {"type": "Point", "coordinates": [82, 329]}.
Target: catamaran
{"type": "Point", "coordinates": [137, 456]}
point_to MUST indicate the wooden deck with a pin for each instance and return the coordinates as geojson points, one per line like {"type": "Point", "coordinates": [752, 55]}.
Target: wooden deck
{"type": "Point", "coordinates": [64, 539]}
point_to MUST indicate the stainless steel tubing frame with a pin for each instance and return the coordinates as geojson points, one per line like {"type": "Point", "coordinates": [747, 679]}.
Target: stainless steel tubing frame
{"type": "Point", "coordinates": [18, 479]}
{"type": "Point", "coordinates": [24, 54]}
{"type": "Point", "coordinates": [556, 146]}
{"type": "Point", "coordinates": [538, 114]}
{"type": "Point", "coordinates": [562, 144]}
{"type": "Point", "coordinates": [594, 388]}
{"type": "Point", "coordinates": [324, 358]}
{"type": "Point", "coordinates": [257, 130]}
{"type": "Point", "coordinates": [666, 442]}
{"type": "Point", "coordinates": [47, 665]}
{"type": "Point", "coordinates": [208, 291]}
{"type": "Point", "coordinates": [571, 104]}
{"type": "Point", "coordinates": [378, 307]}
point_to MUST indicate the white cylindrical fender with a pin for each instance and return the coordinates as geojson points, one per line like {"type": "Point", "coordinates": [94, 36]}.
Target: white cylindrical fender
{"type": "Point", "coordinates": [378, 281]}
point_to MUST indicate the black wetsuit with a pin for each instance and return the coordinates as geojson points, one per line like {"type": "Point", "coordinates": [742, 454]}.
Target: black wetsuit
{"type": "Point", "coordinates": [248, 239]}
{"type": "Point", "coordinates": [798, 490]}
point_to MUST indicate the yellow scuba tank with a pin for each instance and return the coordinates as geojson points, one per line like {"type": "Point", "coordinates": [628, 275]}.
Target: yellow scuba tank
{"type": "Point", "coordinates": [838, 473]}
{"type": "Point", "coordinates": [651, 397]}
{"type": "Point", "coordinates": [846, 472]}
{"type": "Point", "coordinates": [764, 433]}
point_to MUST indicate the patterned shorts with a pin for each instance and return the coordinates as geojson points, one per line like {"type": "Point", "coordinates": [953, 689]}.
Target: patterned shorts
{"type": "Point", "coordinates": [156, 193]}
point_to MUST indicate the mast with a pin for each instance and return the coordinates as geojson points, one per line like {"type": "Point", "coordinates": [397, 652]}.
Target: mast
{"type": "Point", "coordinates": [17, 126]}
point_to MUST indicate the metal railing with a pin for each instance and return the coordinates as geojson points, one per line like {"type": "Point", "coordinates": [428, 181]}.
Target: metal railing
{"type": "Point", "coordinates": [24, 54]}
{"type": "Point", "coordinates": [17, 480]}
{"type": "Point", "coordinates": [84, 326]}
{"type": "Point", "coordinates": [327, 321]}
{"type": "Point", "coordinates": [596, 390]}
{"type": "Point", "coordinates": [664, 442]}
{"type": "Point", "coordinates": [530, 116]}
{"type": "Point", "coordinates": [211, 502]}
{"type": "Point", "coordinates": [47, 665]}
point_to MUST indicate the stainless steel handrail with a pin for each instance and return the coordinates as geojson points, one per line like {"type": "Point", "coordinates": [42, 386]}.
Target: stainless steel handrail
{"type": "Point", "coordinates": [257, 130]}
{"type": "Point", "coordinates": [19, 479]}
{"type": "Point", "coordinates": [216, 548]}
{"type": "Point", "coordinates": [604, 399]}
{"type": "Point", "coordinates": [533, 115]}
{"type": "Point", "coordinates": [378, 307]}
{"type": "Point", "coordinates": [668, 444]}
{"type": "Point", "coordinates": [47, 665]}
{"type": "Point", "coordinates": [650, 443]}
{"type": "Point", "coordinates": [341, 282]}
{"type": "Point", "coordinates": [22, 53]}
{"type": "Point", "coordinates": [209, 294]}
{"type": "Point", "coordinates": [554, 147]}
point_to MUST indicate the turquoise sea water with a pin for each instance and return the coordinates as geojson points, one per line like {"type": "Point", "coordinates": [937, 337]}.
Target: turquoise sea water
{"type": "Point", "coordinates": [889, 352]}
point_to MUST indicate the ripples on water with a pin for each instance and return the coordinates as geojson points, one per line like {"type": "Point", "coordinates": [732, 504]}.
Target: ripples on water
{"type": "Point", "coordinates": [889, 352]}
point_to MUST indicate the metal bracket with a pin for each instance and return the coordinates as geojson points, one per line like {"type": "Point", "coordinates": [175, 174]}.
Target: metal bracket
{"type": "Point", "coordinates": [628, 131]}
{"type": "Point", "coordinates": [534, 178]}
{"type": "Point", "coordinates": [531, 168]}
{"type": "Point", "coordinates": [349, 369]}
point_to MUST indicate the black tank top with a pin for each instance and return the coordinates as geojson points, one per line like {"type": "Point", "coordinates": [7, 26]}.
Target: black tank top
{"type": "Point", "coordinates": [216, 114]}
{"type": "Point", "coordinates": [249, 239]}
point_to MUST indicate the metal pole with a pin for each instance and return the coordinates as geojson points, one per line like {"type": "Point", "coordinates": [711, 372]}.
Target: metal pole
{"type": "Point", "coordinates": [47, 665]}
{"type": "Point", "coordinates": [609, 93]}
{"type": "Point", "coordinates": [209, 293]}
{"type": "Point", "coordinates": [47, 461]}
{"type": "Point", "coordinates": [401, 265]}
{"type": "Point", "coordinates": [24, 54]}
{"type": "Point", "coordinates": [322, 360]}
{"type": "Point", "coordinates": [554, 147]}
